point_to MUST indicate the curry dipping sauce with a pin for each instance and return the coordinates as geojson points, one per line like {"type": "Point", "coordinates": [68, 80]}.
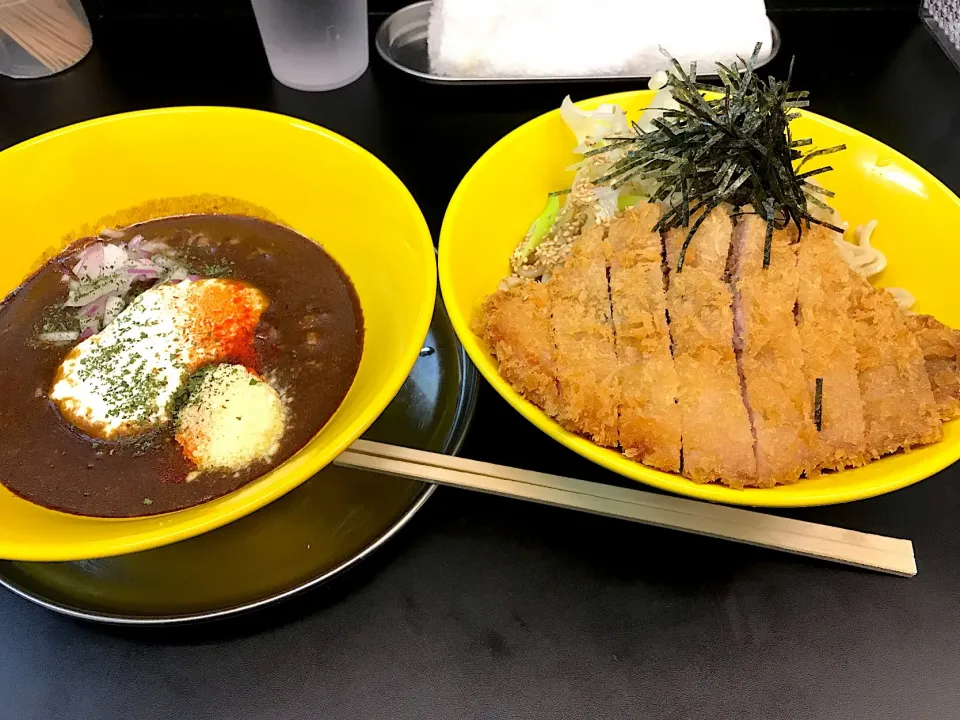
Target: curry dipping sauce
{"type": "Point", "coordinates": [162, 366]}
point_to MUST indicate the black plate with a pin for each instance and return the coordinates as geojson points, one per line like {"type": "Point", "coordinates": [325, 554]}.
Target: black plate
{"type": "Point", "coordinates": [303, 539]}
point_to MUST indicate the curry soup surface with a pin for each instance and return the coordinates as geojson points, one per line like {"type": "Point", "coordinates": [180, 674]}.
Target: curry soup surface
{"type": "Point", "coordinates": [308, 344]}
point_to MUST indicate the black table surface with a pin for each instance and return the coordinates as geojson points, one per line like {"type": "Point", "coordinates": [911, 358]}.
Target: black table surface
{"type": "Point", "coordinates": [489, 608]}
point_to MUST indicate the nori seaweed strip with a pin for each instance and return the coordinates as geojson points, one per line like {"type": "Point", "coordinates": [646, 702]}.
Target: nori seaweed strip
{"type": "Point", "coordinates": [768, 238]}
{"type": "Point", "coordinates": [732, 146]}
{"type": "Point", "coordinates": [818, 404]}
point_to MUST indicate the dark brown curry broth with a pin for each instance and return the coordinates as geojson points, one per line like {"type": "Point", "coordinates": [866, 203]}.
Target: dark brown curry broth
{"type": "Point", "coordinates": [309, 340]}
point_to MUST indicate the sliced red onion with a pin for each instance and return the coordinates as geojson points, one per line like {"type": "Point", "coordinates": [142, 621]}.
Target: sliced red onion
{"type": "Point", "coordinates": [106, 271]}
{"type": "Point", "coordinates": [165, 261]}
{"type": "Point", "coordinates": [65, 269]}
{"type": "Point", "coordinates": [153, 246]}
{"type": "Point", "coordinates": [113, 308]}
{"type": "Point", "coordinates": [94, 323]}
{"type": "Point", "coordinates": [116, 285]}
{"type": "Point", "coordinates": [93, 308]}
{"type": "Point", "coordinates": [85, 293]}
{"type": "Point", "coordinates": [144, 271]}
{"type": "Point", "coordinates": [59, 337]}
{"type": "Point", "coordinates": [91, 261]}
{"type": "Point", "coordinates": [114, 257]}
{"type": "Point", "coordinates": [91, 250]}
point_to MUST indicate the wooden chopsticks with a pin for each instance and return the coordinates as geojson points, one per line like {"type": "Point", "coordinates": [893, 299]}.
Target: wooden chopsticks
{"type": "Point", "coordinates": [872, 552]}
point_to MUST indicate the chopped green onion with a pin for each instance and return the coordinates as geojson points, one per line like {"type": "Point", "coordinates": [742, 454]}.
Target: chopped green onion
{"type": "Point", "coordinates": [541, 226]}
{"type": "Point", "coordinates": [626, 201]}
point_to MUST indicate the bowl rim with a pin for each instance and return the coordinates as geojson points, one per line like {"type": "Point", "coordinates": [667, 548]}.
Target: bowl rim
{"type": "Point", "coordinates": [168, 528]}
{"type": "Point", "coordinates": [611, 459]}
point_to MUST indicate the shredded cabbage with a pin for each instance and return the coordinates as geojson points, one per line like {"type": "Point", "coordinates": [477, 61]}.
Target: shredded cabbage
{"type": "Point", "coordinates": [593, 125]}
{"type": "Point", "coordinates": [588, 204]}
{"type": "Point", "coordinates": [591, 129]}
{"type": "Point", "coordinates": [607, 205]}
{"type": "Point", "coordinates": [663, 100]}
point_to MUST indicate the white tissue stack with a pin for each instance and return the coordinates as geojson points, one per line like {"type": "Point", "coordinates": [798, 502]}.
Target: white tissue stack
{"type": "Point", "coordinates": [570, 38]}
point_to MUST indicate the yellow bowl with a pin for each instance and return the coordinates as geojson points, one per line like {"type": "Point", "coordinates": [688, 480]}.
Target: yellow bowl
{"type": "Point", "coordinates": [918, 220]}
{"type": "Point", "coordinates": [69, 182]}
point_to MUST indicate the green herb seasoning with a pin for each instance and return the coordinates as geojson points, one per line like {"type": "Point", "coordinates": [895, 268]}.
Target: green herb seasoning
{"type": "Point", "coordinates": [198, 263]}
{"type": "Point", "coordinates": [58, 319]}
{"type": "Point", "coordinates": [188, 390]}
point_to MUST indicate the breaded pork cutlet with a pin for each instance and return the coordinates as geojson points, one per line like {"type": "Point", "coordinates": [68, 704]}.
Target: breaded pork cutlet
{"type": "Point", "coordinates": [515, 324]}
{"type": "Point", "coordinates": [940, 346]}
{"type": "Point", "coordinates": [717, 376]}
{"type": "Point", "coordinates": [827, 337]}
{"type": "Point", "coordinates": [771, 359]}
{"type": "Point", "coordinates": [586, 358]}
{"type": "Point", "coordinates": [899, 411]}
{"type": "Point", "coordinates": [717, 440]}
{"type": "Point", "coordinates": [649, 414]}
{"type": "Point", "coordinates": [708, 249]}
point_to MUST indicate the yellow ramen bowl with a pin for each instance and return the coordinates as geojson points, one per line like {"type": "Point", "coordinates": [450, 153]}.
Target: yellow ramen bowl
{"type": "Point", "coordinates": [127, 168]}
{"type": "Point", "coordinates": [918, 223]}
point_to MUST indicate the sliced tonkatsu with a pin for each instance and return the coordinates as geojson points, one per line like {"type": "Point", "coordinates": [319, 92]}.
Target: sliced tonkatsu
{"type": "Point", "coordinates": [515, 324]}
{"type": "Point", "coordinates": [707, 251]}
{"type": "Point", "coordinates": [586, 357]}
{"type": "Point", "coordinates": [940, 346]}
{"type": "Point", "coordinates": [827, 335]}
{"type": "Point", "coordinates": [776, 392]}
{"type": "Point", "coordinates": [729, 369]}
{"type": "Point", "coordinates": [717, 439]}
{"type": "Point", "coordinates": [649, 413]}
{"type": "Point", "coordinates": [899, 410]}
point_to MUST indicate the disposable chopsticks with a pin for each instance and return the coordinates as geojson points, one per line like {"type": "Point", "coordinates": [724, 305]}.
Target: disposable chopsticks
{"type": "Point", "coordinates": [872, 552]}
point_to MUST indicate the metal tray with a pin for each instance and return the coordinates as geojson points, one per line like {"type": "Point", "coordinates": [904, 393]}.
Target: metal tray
{"type": "Point", "coordinates": [300, 541]}
{"type": "Point", "coordinates": [402, 42]}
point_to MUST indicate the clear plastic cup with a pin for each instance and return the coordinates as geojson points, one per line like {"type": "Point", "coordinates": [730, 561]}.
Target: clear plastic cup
{"type": "Point", "coordinates": [42, 37]}
{"type": "Point", "coordinates": [314, 44]}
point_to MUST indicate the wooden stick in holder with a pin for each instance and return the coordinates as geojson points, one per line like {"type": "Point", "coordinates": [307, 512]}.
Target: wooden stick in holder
{"type": "Point", "coordinates": [48, 30]}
